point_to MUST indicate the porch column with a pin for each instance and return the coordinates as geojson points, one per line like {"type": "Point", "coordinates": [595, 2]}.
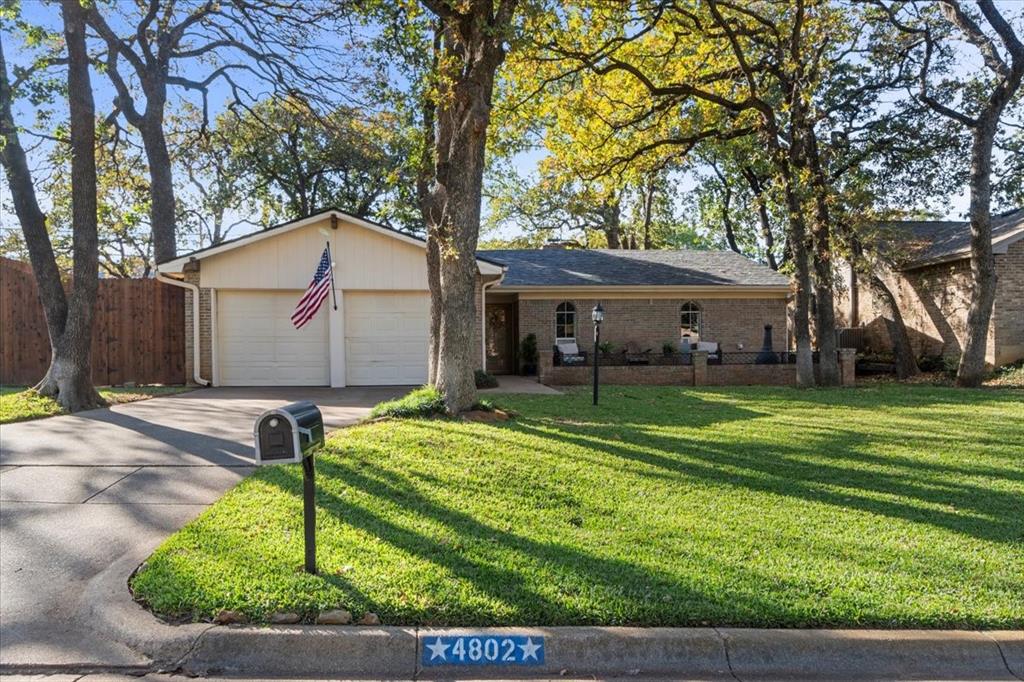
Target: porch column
{"type": "Point", "coordinates": [700, 367]}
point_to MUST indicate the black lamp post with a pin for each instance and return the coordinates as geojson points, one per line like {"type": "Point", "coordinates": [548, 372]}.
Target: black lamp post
{"type": "Point", "coordinates": [597, 315]}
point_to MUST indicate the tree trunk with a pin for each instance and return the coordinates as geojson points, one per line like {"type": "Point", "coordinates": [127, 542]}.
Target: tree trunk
{"type": "Point", "coordinates": [762, 215]}
{"type": "Point", "coordinates": [801, 314]}
{"type": "Point", "coordinates": [648, 213]}
{"type": "Point", "coordinates": [796, 238]}
{"type": "Point", "coordinates": [69, 378]}
{"type": "Point", "coordinates": [432, 217]}
{"type": "Point", "coordinates": [611, 223]}
{"type": "Point", "coordinates": [161, 186]}
{"type": "Point", "coordinates": [434, 285]}
{"type": "Point", "coordinates": [472, 51]}
{"type": "Point", "coordinates": [971, 371]}
{"type": "Point", "coordinates": [906, 364]}
{"type": "Point", "coordinates": [31, 217]}
{"type": "Point", "coordinates": [825, 314]}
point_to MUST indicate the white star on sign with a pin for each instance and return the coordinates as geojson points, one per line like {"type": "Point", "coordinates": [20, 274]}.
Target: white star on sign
{"type": "Point", "coordinates": [530, 649]}
{"type": "Point", "coordinates": [437, 650]}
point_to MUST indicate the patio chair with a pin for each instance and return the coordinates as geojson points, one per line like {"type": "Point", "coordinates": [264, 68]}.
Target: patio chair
{"type": "Point", "coordinates": [567, 353]}
{"type": "Point", "coordinates": [635, 356]}
{"type": "Point", "coordinates": [713, 351]}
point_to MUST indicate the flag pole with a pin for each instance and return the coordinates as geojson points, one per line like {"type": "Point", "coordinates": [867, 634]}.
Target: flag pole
{"type": "Point", "coordinates": [330, 262]}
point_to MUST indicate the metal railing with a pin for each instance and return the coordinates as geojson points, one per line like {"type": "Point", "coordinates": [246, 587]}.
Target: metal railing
{"type": "Point", "coordinates": [623, 359]}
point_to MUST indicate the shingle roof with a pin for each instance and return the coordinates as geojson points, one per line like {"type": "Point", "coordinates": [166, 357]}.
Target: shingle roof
{"type": "Point", "coordinates": [610, 267]}
{"type": "Point", "coordinates": [935, 241]}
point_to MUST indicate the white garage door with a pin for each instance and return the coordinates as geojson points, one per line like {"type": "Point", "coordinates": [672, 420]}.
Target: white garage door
{"type": "Point", "coordinates": [386, 338]}
{"type": "Point", "coordinates": [258, 346]}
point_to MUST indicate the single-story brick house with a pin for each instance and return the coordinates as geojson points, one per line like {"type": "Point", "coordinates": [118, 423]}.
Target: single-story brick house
{"type": "Point", "coordinates": [248, 287]}
{"type": "Point", "coordinates": [932, 287]}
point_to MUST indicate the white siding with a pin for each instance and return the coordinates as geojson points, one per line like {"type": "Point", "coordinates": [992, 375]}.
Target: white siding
{"type": "Point", "coordinates": [366, 260]}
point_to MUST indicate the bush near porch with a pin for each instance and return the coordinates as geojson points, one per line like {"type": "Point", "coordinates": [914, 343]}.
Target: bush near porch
{"type": "Point", "coordinates": [888, 506]}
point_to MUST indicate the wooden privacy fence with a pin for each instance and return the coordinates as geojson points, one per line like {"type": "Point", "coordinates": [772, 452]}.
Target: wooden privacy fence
{"type": "Point", "coordinates": [138, 337]}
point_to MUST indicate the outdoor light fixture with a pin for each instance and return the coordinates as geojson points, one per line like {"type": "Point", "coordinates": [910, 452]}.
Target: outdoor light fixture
{"type": "Point", "coordinates": [597, 315]}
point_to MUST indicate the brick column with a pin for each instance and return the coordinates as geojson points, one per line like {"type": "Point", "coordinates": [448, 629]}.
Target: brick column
{"type": "Point", "coordinates": [700, 367]}
{"type": "Point", "coordinates": [191, 272]}
{"type": "Point", "coordinates": [545, 361]}
{"type": "Point", "coordinates": [848, 366]}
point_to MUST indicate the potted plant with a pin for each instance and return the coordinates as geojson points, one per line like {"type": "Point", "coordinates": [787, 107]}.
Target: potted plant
{"type": "Point", "coordinates": [528, 354]}
{"type": "Point", "coordinates": [606, 348]}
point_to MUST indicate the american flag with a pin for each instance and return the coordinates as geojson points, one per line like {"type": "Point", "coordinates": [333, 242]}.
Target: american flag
{"type": "Point", "coordinates": [315, 294]}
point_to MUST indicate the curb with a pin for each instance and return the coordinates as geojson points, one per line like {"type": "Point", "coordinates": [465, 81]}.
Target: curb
{"type": "Point", "coordinates": [359, 652]}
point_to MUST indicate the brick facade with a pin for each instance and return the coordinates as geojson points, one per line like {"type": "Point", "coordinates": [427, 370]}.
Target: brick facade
{"type": "Point", "coordinates": [1008, 314]}
{"type": "Point", "coordinates": [736, 324]}
{"type": "Point", "coordinates": [934, 301]}
{"type": "Point", "coordinates": [205, 329]}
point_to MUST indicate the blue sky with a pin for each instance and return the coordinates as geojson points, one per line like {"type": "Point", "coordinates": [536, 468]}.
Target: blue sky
{"type": "Point", "coordinates": [47, 14]}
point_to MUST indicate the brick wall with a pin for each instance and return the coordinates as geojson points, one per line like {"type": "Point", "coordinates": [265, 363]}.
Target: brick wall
{"type": "Point", "coordinates": [651, 322]}
{"type": "Point", "coordinates": [205, 347]}
{"type": "Point", "coordinates": [699, 374]}
{"type": "Point", "coordinates": [1008, 314]}
{"type": "Point", "coordinates": [934, 301]}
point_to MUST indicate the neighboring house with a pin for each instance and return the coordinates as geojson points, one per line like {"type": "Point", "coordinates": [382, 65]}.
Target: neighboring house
{"type": "Point", "coordinates": [932, 287]}
{"type": "Point", "coordinates": [378, 333]}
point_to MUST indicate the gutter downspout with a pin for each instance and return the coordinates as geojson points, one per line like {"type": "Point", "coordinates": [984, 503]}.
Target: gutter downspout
{"type": "Point", "coordinates": [160, 277]}
{"type": "Point", "coordinates": [483, 317]}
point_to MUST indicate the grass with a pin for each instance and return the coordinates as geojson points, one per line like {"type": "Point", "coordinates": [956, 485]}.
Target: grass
{"type": "Point", "coordinates": [19, 404]}
{"type": "Point", "coordinates": [886, 506]}
{"type": "Point", "coordinates": [425, 401]}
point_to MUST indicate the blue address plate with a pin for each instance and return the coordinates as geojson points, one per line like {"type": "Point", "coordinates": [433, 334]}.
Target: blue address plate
{"type": "Point", "coordinates": [483, 650]}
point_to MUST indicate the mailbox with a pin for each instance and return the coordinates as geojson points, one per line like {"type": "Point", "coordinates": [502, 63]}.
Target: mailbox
{"type": "Point", "coordinates": [287, 434]}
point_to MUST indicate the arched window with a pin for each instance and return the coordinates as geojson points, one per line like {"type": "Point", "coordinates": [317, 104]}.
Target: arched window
{"type": "Point", "coordinates": [690, 321]}
{"type": "Point", "coordinates": [565, 322]}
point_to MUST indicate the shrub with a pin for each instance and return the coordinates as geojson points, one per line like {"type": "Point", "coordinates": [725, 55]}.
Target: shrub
{"type": "Point", "coordinates": [931, 363]}
{"type": "Point", "coordinates": [422, 402]}
{"type": "Point", "coordinates": [950, 364]}
{"type": "Point", "coordinates": [528, 353]}
{"type": "Point", "coordinates": [668, 348]}
{"type": "Point", "coordinates": [606, 347]}
{"type": "Point", "coordinates": [485, 380]}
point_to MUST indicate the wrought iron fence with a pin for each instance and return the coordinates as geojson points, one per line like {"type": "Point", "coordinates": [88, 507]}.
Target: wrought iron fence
{"type": "Point", "coordinates": [623, 359]}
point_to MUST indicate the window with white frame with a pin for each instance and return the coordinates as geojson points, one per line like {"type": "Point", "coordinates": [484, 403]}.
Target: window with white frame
{"type": "Point", "coordinates": [565, 322]}
{"type": "Point", "coordinates": [690, 320]}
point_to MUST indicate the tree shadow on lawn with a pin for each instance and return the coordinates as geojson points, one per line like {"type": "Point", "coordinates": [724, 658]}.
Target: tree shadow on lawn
{"type": "Point", "coordinates": [628, 593]}
{"type": "Point", "coordinates": [805, 472]}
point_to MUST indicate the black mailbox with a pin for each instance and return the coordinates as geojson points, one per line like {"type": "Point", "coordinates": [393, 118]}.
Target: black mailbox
{"type": "Point", "coordinates": [287, 434]}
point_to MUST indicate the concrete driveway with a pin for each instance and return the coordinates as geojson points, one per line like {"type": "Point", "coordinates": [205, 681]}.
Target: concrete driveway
{"type": "Point", "coordinates": [79, 492]}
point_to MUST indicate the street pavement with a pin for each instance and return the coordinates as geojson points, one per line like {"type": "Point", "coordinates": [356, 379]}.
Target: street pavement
{"type": "Point", "coordinates": [79, 492]}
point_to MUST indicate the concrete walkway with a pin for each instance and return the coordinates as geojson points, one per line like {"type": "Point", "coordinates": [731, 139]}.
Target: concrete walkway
{"type": "Point", "coordinates": [79, 492]}
{"type": "Point", "coordinates": [511, 383]}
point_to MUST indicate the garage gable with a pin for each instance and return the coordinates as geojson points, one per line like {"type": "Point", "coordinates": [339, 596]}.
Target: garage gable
{"type": "Point", "coordinates": [368, 256]}
{"type": "Point", "coordinates": [365, 260]}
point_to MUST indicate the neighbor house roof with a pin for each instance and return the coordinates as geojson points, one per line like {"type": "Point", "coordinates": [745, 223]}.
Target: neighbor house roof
{"type": "Point", "coordinates": [610, 267]}
{"type": "Point", "coordinates": [938, 241]}
{"type": "Point", "coordinates": [176, 264]}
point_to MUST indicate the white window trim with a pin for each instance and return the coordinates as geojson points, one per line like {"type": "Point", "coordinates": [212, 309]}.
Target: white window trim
{"type": "Point", "coordinates": [700, 319]}
{"type": "Point", "coordinates": [574, 323]}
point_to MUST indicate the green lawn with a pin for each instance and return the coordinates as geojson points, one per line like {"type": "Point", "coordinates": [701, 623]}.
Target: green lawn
{"type": "Point", "coordinates": [891, 506]}
{"type": "Point", "coordinates": [18, 404]}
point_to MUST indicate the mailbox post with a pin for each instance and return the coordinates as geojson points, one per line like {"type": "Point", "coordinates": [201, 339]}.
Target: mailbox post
{"type": "Point", "coordinates": [288, 435]}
